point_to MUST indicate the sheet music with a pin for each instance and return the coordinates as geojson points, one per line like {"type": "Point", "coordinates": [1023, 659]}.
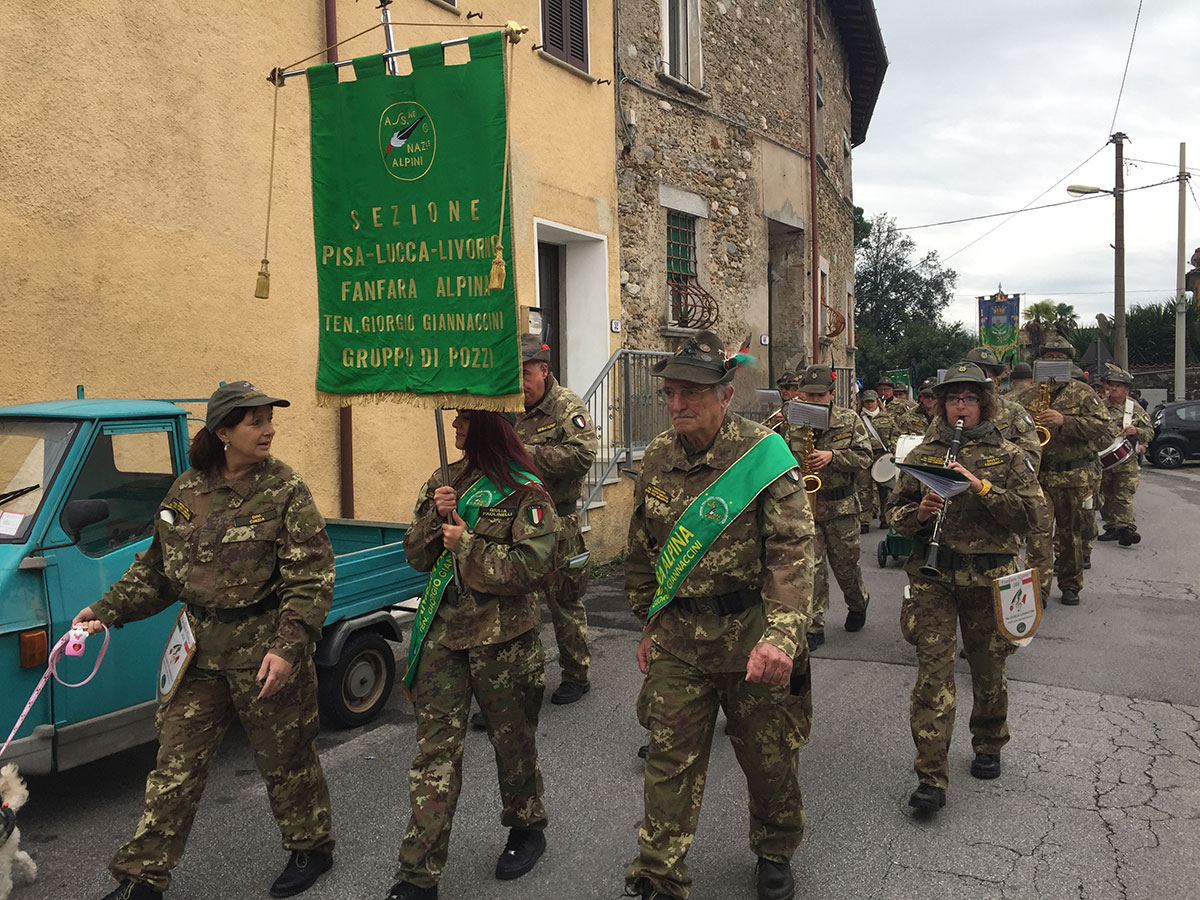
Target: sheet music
{"type": "Point", "coordinates": [815, 415]}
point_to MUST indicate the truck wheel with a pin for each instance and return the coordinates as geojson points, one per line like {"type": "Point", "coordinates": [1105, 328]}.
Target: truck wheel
{"type": "Point", "coordinates": [354, 689]}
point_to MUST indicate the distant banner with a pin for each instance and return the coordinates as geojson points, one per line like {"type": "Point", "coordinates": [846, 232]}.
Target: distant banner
{"type": "Point", "coordinates": [902, 376]}
{"type": "Point", "coordinates": [407, 179]}
{"type": "Point", "coordinates": [999, 325]}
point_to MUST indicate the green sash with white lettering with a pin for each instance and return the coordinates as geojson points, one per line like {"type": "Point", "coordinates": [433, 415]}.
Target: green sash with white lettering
{"type": "Point", "coordinates": [713, 511]}
{"type": "Point", "coordinates": [475, 499]}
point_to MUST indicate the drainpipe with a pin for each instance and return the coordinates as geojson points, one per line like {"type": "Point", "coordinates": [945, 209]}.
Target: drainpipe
{"type": "Point", "coordinates": [814, 232]}
{"type": "Point", "coordinates": [345, 413]}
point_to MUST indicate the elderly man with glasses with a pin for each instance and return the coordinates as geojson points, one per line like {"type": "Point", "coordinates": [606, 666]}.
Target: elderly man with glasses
{"type": "Point", "coordinates": [978, 540]}
{"type": "Point", "coordinates": [719, 571]}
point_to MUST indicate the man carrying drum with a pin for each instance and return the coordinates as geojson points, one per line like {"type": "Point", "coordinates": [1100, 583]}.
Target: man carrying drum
{"type": "Point", "coordinates": [1120, 479]}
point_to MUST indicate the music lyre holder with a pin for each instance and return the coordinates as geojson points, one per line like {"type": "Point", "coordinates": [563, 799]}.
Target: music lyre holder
{"type": "Point", "coordinates": [814, 415]}
{"type": "Point", "coordinates": [1055, 371]}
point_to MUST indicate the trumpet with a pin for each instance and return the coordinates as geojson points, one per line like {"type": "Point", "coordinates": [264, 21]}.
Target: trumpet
{"type": "Point", "coordinates": [930, 569]}
{"type": "Point", "coordinates": [812, 482]}
{"type": "Point", "coordinates": [1042, 404]}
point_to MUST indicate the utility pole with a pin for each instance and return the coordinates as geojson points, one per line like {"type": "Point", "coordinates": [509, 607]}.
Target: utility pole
{"type": "Point", "coordinates": [1180, 292]}
{"type": "Point", "coordinates": [1120, 344]}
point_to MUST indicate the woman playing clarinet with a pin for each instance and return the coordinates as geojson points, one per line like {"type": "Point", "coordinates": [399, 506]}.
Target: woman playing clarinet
{"type": "Point", "coordinates": [974, 539]}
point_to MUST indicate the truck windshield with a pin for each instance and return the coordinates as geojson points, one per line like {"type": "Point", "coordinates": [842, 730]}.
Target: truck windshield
{"type": "Point", "coordinates": [31, 451]}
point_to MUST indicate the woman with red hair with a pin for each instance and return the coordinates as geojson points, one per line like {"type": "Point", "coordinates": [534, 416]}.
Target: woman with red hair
{"type": "Point", "coordinates": [496, 523]}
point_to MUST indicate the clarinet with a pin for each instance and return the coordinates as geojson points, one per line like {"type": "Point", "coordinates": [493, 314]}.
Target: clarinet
{"type": "Point", "coordinates": [930, 569]}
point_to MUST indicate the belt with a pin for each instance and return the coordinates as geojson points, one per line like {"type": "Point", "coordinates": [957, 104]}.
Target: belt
{"type": "Point", "coordinates": [236, 613]}
{"type": "Point", "coordinates": [723, 604]}
{"type": "Point", "coordinates": [949, 561]}
{"type": "Point", "coordinates": [1068, 466]}
{"type": "Point", "coordinates": [567, 508]}
{"type": "Point", "coordinates": [841, 493]}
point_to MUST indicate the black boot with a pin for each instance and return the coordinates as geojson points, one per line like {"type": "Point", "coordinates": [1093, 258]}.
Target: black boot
{"type": "Point", "coordinates": [1129, 537]}
{"type": "Point", "coordinates": [775, 881]}
{"type": "Point", "coordinates": [133, 890]}
{"type": "Point", "coordinates": [1110, 534]}
{"type": "Point", "coordinates": [569, 692]}
{"type": "Point", "coordinates": [856, 619]}
{"type": "Point", "coordinates": [524, 848]}
{"type": "Point", "coordinates": [301, 872]}
{"type": "Point", "coordinates": [927, 798]}
{"type": "Point", "coordinates": [402, 890]}
{"type": "Point", "coordinates": [479, 721]}
{"type": "Point", "coordinates": [1070, 597]}
{"type": "Point", "coordinates": [986, 765]}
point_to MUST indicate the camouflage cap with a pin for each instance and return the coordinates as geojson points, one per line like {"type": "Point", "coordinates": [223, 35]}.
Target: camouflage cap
{"type": "Point", "coordinates": [700, 360]}
{"type": "Point", "coordinates": [817, 380]}
{"type": "Point", "coordinates": [1060, 344]}
{"type": "Point", "coordinates": [900, 388]}
{"type": "Point", "coordinates": [532, 349]}
{"type": "Point", "coordinates": [884, 379]}
{"type": "Point", "coordinates": [963, 373]}
{"type": "Point", "coordinates": [984, 356]}
{"type": "Point", "coordinates": [1022, 370]}
{"type": "Point", "coordinates": [234, 395]}
{"type": "Point", "coordinates": [1117, 375]}
{"type": "Point", "coordinates": [927, 387]}
{"type": "Point", "coordinates": [788, 379]}
{"type": "Point", "coordinates": [868, 395]}
{"type": "Point", "coordinates": [1079, 374]}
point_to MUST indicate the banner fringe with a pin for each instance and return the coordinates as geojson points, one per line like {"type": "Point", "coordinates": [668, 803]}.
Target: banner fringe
{"type": "Point", "coordinates": [514, 403]}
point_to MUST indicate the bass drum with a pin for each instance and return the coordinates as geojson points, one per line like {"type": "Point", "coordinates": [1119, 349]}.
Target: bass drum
{"type": "Point", "coordinates": [883, 472]}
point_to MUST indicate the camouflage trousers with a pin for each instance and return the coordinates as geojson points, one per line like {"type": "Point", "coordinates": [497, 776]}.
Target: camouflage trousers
{"type": "Point", "coordinates": [928, 618]}
{"type": "Point", "coordinates": [767, 726]}
{"type": "Point", "coordinates": [508, 681]}
{"type": "Point", "coordinates": [837, 539]}
{"type": "Point", "coordinates": [281, 730]}
{"type": "Point", "coordinates": [1039, 545]}
{"type": "Point", "coordinates": [872, 497]}
{"type": "Point", "coordinates": [564, 596]}
{"type": "Point", "coordinates": [1117, 487]}
{"type": "Point", "coordinates": [1070, 524]}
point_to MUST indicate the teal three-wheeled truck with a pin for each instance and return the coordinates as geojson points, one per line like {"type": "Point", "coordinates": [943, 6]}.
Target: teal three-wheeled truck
{"type": "Point", "coordinates": [80, 484]}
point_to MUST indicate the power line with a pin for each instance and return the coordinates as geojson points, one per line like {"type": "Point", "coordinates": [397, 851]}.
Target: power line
{"type": "Point", "coordinates": [1153, 162]}
{"type": "Point", "coordinates": [1126, 72]}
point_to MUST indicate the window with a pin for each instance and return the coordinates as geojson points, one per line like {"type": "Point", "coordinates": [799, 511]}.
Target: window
{"type": "Point", "coordinates": [846, 148]}
{"type": "Point", "coordinates": [681, 41]}
{"type": "Point", "coordinates": [565, 31]}
{"type": "Point", "coordinates": [31, 451]}
{"type": "Point", "coordinates": [819, 125]}
{"type": "Point", "coordinates": [132, 470]}
{"type": "Point", "coordinates": [681, 263]}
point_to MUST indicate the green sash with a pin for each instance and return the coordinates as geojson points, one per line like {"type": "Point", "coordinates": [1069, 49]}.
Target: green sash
{"type": "Point", "coordinates": [713, 511]}
{"type": "Point", "coordinates": [474, 500]}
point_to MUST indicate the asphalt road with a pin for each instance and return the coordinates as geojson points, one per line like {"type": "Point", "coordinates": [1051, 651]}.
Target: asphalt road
{"type": "Point", "coordinates": [1100, 796]}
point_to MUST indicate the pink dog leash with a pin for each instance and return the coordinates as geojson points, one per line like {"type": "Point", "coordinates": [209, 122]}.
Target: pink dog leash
{"type": "Point", "coordinates": [70, 644]}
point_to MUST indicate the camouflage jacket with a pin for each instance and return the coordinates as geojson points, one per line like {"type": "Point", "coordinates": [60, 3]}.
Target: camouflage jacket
{"type": "Point", "coordinates": [971, 524]}
{"type": "Point", "coordinates": [560, 437]}
{"type": "Point", "coordinates": [914, 422]}
{"type": "Point", "coordinates": [885, 427]}
{"type": "Point", "coordinates": [1015, 424]}
{"type": "Point", "coordinates": [768, 547]}
{"type": "Point", "coordinates": [1140, 421]}
{"type": "Point", "coordinates": [847, 437]}
{"type": "Point", "coordinates": [503, 562]}
{"type": "Point", "coordinates": [232, 544]}
{"type": "Point", "coordinates": [898, 409]}
{"type": "Point", "coordinates": [1085, 431]}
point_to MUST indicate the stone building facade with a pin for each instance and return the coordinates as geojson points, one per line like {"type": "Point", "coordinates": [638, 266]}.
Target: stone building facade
{"type": "Point", "coordinates": [715, 174]}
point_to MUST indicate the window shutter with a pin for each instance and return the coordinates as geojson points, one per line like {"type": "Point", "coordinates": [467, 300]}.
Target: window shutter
{"type": "Point", "coordinates": [564, 31]}
{"type": "Point", "coordinates": [577, 47]}
{"type": "Point", "coordinates": [553, 37]}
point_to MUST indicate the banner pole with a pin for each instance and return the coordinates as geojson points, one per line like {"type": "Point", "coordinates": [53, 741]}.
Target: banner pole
{"type": "Point", "coordinates": [386, 18]}
{"type": "Point", "coordinates": [441, 436]}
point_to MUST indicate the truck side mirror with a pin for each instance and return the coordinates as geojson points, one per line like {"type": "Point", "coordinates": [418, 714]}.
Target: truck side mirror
{"type": "Point", "coordinates": [79, 514]}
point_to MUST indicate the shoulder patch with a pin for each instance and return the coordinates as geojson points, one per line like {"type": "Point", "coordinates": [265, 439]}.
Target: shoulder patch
{"type": "Point", "coordinates": [536, 514]}
{"type": "Point", "coordinates": [793, 474]}
{"type": "Point", "coordinates": [658, 493]}
{"type": "Point", "coordinates": [180, 507]}
{"type": "Point", "coordinates": [1029, 465]}
{"type": "Point", "coordinates": [579, 421]}
{"type": "Point", "coordinates": [549, 427]}
{"type": "Point", "coordinates": [933, 460]}
{"type": "Point", "coordinates": [841, 435]}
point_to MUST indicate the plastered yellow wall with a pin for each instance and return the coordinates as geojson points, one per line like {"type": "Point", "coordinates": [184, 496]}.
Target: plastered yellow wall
{"type": "Point", "coordinates": [136, 147]}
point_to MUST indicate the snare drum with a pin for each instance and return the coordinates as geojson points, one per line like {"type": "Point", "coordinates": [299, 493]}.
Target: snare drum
{"type": "Point", "coordinates": [883, 472]}
{"type": "Point", "coordinates": [1116, 453]}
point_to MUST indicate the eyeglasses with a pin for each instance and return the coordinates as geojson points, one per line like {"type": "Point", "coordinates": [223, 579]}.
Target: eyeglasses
{"type": "Point", "coordinates": [964, 399]}
{"type": "Point", "coordinates": [688, 394]}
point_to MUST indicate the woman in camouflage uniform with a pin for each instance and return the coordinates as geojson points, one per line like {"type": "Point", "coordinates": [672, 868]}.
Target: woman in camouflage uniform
{"type": "Point", "coordinates": [240, 542]}
{"type": "Point", "coordinates": [978, 543]}
{"type": "Point", "coordinates": [483, 641]}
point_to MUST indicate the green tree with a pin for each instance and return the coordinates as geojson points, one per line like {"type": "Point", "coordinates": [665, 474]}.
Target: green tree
{"type": "Point", "coordinates": [1150, 334]}
{"type": "Point", "coordinates": [862, 228]}
{"type": "Point", "coordinates": [1045, 318]}
{"type": "Point", "coordinates": [899, 305]}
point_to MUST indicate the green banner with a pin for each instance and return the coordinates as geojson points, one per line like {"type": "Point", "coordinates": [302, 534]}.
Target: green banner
{"type": "Point", "coordinates": [714, 510]}
{"type": "Point", "coordinates": [408, 174]}
{"type": "Point", "coordinates": [1000, 325]}
{"type": "Point", "coordinates": [902, 376]}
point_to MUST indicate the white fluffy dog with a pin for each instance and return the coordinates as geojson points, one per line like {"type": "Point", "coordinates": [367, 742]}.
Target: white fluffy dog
{"type": "Point", "coordinates": [12, 858]}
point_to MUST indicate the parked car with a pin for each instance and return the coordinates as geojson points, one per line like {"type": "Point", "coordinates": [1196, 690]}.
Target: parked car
{"type": "Point", "coordinates": [1176, 434]}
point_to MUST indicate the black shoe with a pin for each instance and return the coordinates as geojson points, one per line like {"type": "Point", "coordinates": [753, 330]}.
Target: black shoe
{"type": "Point", "coordinates": [1070, 597]}
{"type": "Point", "coordinates": [1087, 561]}
{"type": "Point", "coordinates": [883, 525]}
{"type": "Point", "coordinates": [402, 890]}
{"type": "Point", "coordinates": [927, 798]}
{"type": "Point", "coordinates": [864, 528]}
{"type": "Point", "coordinates": [479, 720]}
{"type": "Point", "coordinates": [133, 890]}
{"type": "Point", "coordinates": [644, 751]}
{"type": "Point", "coordinates": [775, 880]}
{"type": "Point", "coordinates": [986, 765]}
{"type": "Point", "coordinates": [1129, 537]}
{"type": "Point", "coordinates": [569, 692]}
{"type": "Point", "coordinates": [524, 848]}
{"type": "Point", "coordinates": [1110, 534]}
{"type": "Point", "coordinates": [643, 890]}
{"type": "Point", "coordinates": [815, 640]}
{"type": "Point", "coordinates": [301, 872]}
{"type": "Point", "coordinates": [856, 619]}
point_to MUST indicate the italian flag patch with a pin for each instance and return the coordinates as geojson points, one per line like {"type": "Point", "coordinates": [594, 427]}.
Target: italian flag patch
{"type": "Point", "coordinates": [535, 514]}
{"type": "Point", "coordinates": [578, 421]}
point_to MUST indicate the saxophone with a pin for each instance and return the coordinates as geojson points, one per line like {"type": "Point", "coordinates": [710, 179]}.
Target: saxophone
{"type": "Point", "coordinates": [1041, 405]}
{"type": "Point", "coordinates": [812, 482]}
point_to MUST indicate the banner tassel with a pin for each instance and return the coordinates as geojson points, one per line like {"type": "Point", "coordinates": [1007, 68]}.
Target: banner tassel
{"type": "Point", "coordinates": [262, 290]}
{"type": "Point", "coordinates": [497, 275]}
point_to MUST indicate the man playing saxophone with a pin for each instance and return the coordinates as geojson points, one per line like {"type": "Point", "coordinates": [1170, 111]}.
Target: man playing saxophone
{"type": "Point", "coordinates": [839, 453]}
{"type": "Point", "coordinates": [978, 542]}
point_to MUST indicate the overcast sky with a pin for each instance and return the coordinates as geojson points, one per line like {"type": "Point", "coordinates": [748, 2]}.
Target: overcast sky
{"type": "Point", "coordinates": [985, 105]}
